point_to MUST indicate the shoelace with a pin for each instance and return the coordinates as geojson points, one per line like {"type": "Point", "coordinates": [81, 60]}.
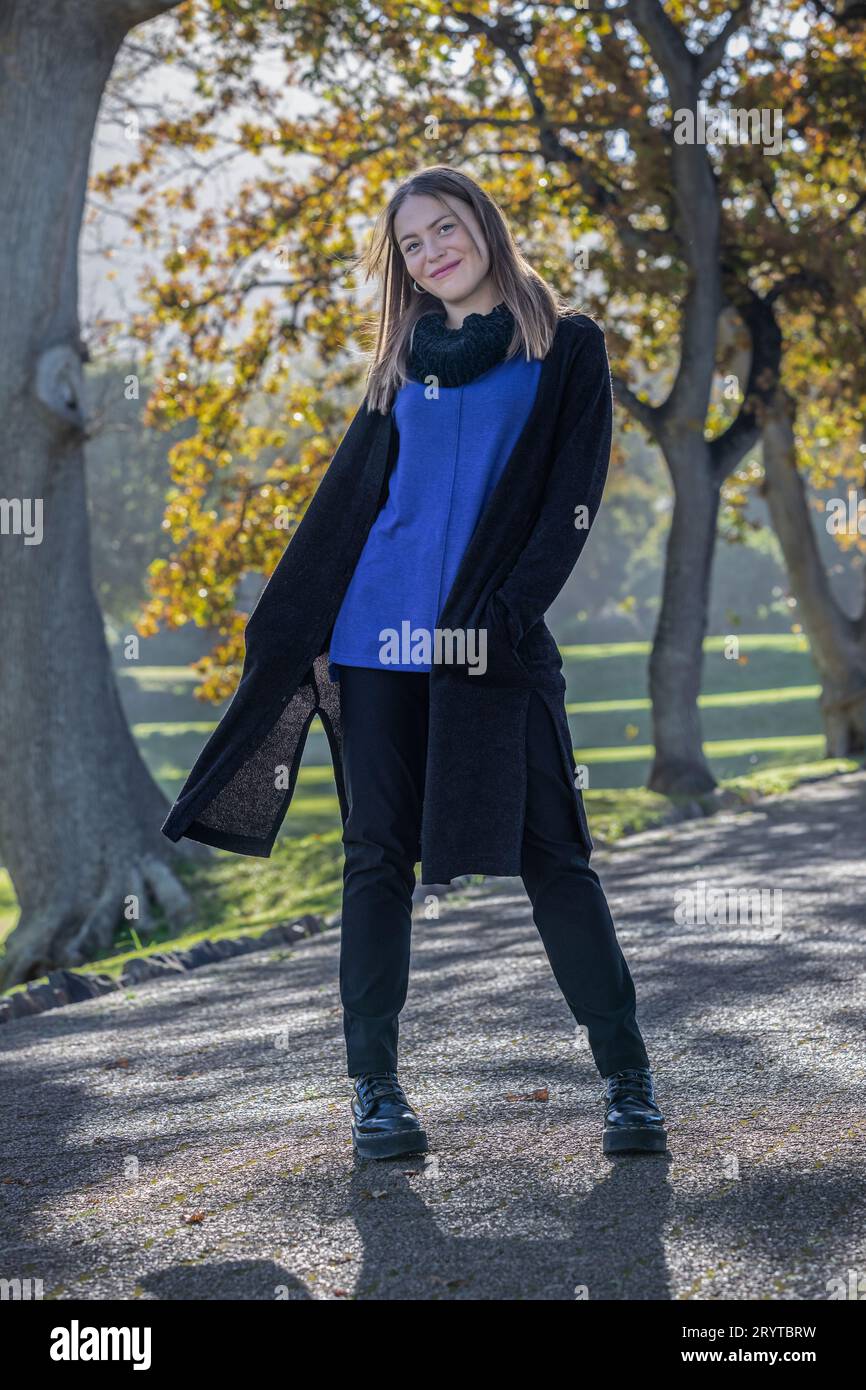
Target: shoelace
{"type": "Point", "coordinates": [631, 1081]}
{"type": "Point", "coordinates": [375, 1085]}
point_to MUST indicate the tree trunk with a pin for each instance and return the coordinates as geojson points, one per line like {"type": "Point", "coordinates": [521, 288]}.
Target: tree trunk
{"type": "Point", "coordinates": [838, 642]}
{"type": "Point", "coordinates": [679, 766]}
{"type": "Point", "coordinates": [80, 814]}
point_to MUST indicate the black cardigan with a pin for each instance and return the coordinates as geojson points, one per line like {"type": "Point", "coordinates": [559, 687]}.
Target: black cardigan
{"type": "Point", "coordinates": [522, 551]}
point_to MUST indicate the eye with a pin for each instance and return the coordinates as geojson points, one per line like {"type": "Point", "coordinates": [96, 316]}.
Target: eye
{"type": "Point", "coordinates": [445, 227]}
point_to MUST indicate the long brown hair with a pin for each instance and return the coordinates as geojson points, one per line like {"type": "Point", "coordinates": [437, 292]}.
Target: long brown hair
{"type": "Point", "coordinates": [535, 306]}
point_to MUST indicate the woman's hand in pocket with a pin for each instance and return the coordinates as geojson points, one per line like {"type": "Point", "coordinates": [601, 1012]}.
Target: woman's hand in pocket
{"type": "Point", "coordinates": [502, 658]}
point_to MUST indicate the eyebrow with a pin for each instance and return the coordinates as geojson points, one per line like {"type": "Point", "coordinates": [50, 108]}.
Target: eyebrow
{"type": "Point", "coordinates": [429, 225]}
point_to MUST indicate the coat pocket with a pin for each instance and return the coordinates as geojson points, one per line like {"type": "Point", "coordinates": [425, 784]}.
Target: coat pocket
{"type": "Point", "coordinates": [503, 661]}
{"type": "Point", "coordinates": [538, 648]}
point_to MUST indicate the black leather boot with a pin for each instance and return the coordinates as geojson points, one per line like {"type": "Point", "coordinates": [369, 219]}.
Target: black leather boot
{"type": "Point", "coordinates": [383, 1122]}
{"type": "Point", "coordinates": [632, 1120]}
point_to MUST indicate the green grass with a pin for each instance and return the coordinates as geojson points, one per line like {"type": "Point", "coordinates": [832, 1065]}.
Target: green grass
{"type": "Point", "coordinates": [237, 895]}
{"type": "Point", "coordinates": [759, 714]}
{"type": "Point", "coordinates": [727, 700]}
{"type": "Point", "coordinates": [748, 705]}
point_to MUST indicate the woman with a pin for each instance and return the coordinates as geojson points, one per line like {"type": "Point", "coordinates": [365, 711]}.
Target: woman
{"type": "Point", "coordinates": [407, 611]}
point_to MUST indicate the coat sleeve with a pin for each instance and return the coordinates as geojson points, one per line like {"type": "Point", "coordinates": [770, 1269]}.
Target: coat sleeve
{"type": "Point", "coordinates": [295, 593]}
{"type": "Point", "coordinates": [576, 480]}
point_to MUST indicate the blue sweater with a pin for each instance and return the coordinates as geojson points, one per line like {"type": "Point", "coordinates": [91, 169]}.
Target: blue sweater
{"type": "Point", "coordinates": [452, 453]}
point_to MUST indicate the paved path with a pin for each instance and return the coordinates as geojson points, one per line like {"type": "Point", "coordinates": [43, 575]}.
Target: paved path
{"type": "Point", "coordinates": [232, 1103]}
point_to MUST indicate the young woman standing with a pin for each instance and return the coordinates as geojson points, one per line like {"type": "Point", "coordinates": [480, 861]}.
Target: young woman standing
{"type": "Point", "coordinates": [466, 327]}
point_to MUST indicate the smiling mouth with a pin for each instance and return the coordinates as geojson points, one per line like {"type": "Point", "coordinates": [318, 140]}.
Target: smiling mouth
{"type": "Point", "coordinates": [445, 269]}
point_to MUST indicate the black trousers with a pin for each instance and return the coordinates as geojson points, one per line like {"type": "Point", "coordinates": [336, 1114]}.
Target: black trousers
{"type": "Point", "coordinates": [384, 757]}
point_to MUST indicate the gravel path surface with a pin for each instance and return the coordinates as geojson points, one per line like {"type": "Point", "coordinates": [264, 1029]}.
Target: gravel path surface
{"type": "Point", "coordinates": [190, 1139]}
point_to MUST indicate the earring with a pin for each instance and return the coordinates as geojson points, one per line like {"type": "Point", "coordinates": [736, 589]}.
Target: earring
{"type": "Point", "coordinates": [417, 287]}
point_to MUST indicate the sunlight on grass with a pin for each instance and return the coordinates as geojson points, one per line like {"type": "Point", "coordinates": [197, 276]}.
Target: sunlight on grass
{"type": "Point", "coordinates": [237, 894]}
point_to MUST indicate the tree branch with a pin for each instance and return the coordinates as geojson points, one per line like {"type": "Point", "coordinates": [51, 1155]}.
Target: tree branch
{"type": "Point", "coordinates": [603, 199]}
{"type": "Point", "coordinates": [743, 433]}
{"type": "Point", "coordinates": [646, 414]}
{"type": "Point", "coordinates": [713, 53]}
{"type": "Point", "coordinates": [675, 61]}
{"type": "Point", "coordinates": [126, 14]}
{"type": "Point", "coordinates": [850, 15]}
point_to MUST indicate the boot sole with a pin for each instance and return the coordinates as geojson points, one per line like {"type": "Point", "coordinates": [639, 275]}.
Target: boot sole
{"type": "Point", "coordinates": [409, 1141]}
{"type": "Point", "coordinates": [635, 1140]}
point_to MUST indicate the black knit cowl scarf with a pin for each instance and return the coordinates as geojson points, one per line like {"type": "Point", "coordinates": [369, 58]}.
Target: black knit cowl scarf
{"type": "Point", "coordinates": [455, 356]}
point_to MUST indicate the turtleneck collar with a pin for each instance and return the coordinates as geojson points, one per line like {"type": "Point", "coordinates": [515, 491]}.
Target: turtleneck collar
{"type": "Point", "coordinates": [455, 356]}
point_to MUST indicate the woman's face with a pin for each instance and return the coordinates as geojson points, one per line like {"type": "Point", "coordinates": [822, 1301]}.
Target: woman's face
{"type": "Point", "coordinates": [436, 245]}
